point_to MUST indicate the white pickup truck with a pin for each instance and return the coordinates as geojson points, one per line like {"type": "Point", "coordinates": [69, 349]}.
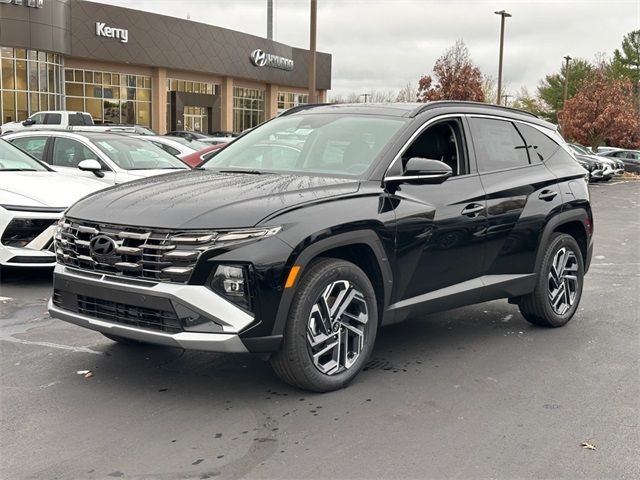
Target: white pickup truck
{"type": "Point", "coordinates": [63, 120]}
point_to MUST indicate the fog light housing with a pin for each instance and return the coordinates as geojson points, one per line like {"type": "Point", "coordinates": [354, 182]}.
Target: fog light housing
{"type": "Point", "coordinates": [231, 282]}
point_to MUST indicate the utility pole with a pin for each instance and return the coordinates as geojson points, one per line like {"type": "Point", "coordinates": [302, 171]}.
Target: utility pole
{"type": "Point", "coordinates": [566, 78]}
{"type": "Point", "coordinates": [312, 51]}
{"type": "Point", "coordinates": [503, 14]}
{"type": "Point", "coordinates": [270, 19]}
{"type": "Point", "coordinates": [366, 96]}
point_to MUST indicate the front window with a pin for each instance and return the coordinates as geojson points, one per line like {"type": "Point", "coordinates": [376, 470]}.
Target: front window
{"type": "Point", "coordinates": [136, 154]}
{"type": "Point", "coordinates": [323, 144]}
{"type": "Point", "coordinates": [248, 108]}
{"type": "Point", "coordinates": [13, 159]}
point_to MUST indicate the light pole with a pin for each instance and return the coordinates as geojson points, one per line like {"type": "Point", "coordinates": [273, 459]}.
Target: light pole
{"type": "Point", "coordinates": [312, 51]}
{"type": "Point", "coordinates": [566, 78]}
{"type": "Point", "coordinates": [503, 14]}
{"type": "Point", "coordinates": [366, 96]}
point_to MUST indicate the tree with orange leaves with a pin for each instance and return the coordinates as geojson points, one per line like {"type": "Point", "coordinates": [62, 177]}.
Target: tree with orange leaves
{"type": "Point", "coordinates": [602, 111]}
{"type": "Point", "coordinates": [457, 78]}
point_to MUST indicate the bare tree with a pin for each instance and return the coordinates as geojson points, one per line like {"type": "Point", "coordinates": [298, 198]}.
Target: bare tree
{"type": "Point", "coordinates": [408, 93]}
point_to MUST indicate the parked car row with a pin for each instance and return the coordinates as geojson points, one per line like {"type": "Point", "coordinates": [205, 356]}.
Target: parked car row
{"type": "Point", "coordinates": [599, 168]}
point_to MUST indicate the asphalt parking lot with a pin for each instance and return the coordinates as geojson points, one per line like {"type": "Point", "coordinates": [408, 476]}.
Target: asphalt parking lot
{"type": "Point", "coordinates": [473, 393]}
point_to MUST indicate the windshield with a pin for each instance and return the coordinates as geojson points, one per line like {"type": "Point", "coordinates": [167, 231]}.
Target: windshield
{"type": "Point", "coordinates": [192, 144]}
{"type": "Point", "coordinates": [325, 144]}
{"type": "Point", "coordinates": [137, 154]}
{"type": "Point", "coordinates": [580, 149]}
{"type": "Point", "coordinates": [13, 159]}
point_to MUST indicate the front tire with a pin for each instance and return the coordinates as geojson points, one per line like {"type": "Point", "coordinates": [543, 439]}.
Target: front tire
{"type": "Point", "coordinates": [331, 327]}
{"type": "Point", "coordinates": [559, 285]}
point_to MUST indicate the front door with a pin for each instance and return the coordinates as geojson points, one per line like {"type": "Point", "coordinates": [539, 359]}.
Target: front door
{"type": "Point", "coordinates": [440, 228]}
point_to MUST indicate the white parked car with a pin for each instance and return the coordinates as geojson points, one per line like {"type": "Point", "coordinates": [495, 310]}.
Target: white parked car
{"type": "Point", "coordinates": [111, 157]}
{"type": "Point", "coordinates": [176, 146]}
{"type": "Point", "coordinates": [32, 199]}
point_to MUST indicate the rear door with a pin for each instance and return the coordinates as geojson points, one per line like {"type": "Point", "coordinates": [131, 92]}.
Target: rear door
{"type": "Point", "coordinates": [521, 192]}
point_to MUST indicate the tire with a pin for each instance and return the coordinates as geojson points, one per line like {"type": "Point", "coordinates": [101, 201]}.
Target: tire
{"type": "Point", "coordinates": [548, 305]}
{"type": "Point", "coordinates": [333, 280]}
{"type": "Point", "coordinates": [122, 340]}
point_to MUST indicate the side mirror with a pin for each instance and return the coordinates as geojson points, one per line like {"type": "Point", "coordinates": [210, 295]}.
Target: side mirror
{"type": "Point", "coordinates": [422, 171]}
{"type": "Point", "coordinates": [91, 165]}
{"type": "Point", "coordinates": [28, 121]}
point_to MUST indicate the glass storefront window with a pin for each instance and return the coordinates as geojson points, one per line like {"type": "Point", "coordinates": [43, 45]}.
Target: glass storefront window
{"type": "Point", "coordinates": [174, 84]}
{"type": "Point", "coordinates": [248, 108]}
{"type": "Point", "coordinates": [26, 76]}
{"type": "Point", "coordinates": [287, 100]}
{"type": "Point", "coordinates": [99, 93]}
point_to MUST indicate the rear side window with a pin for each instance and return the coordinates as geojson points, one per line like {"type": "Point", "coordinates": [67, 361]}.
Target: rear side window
{"type": "Point", "coordinates": [540, 146]}
{"type": "Point", "coordinates": [498, 144]}
{"type": "Point", "coordinates": [52, 119]}
{"type": "Point", "coordinates": [79, 119]}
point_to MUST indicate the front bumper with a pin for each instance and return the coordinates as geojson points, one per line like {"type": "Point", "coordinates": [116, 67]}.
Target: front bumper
{"type": "Point", "coordinates": [37, 253]}
{"type": "Point", "coordinates": [139, 310]}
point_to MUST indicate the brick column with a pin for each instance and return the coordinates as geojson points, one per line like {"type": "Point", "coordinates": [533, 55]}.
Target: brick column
{"type": "Point", "coordinates": [159, 100]}
{"type": "Point", "coordinates": [226, 104]}
{"type": "Point", "coordinates": [271, 102]}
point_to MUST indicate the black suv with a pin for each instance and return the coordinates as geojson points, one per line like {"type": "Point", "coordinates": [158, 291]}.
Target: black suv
{"type": "Point", "coordinates": [304, 236]}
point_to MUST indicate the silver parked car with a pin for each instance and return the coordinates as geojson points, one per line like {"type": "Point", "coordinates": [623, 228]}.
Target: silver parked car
{"type": "Point", "coordinates": [111, 157]}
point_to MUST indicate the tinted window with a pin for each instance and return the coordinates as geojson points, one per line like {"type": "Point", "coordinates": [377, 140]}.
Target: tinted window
{"type": "Point", "coordinates": [52, 119]}
{"type": "Point", "coordinates": [69, 153]}
{"type": "Point", "coordinates": [34, 146]}
{"type": "Point", "coordinates": [540, 146]}
{"type": "Point", "coordinates": [79, 119]}
{"type": "Point", "coordinates": [498, 144]}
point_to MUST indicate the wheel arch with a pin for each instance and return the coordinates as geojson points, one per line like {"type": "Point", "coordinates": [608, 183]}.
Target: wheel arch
{"type": "Point", "coordinates": [361, 247]}
{"type": "Point", "coordinates": [575, 222]}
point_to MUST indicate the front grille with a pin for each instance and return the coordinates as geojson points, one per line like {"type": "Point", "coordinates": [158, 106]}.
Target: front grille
{"type": "Point", "coordinates": [21, 231]}
{"type": "Point", "coordinates": [122, 313]}
{"type": "Point", "coordinates": [158, 255]}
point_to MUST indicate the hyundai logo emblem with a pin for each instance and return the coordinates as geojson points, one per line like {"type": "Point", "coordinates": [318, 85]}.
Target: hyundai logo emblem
{"type": "Point", "coordinates": [258, 58]}
{"type": "Point", "coordinates": [102, 246]}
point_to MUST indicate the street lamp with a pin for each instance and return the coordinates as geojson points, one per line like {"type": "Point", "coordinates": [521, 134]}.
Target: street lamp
{"type": "Point", "coordinates": [312, 50]}
{"type": "Point", "coordinates": [503, 14]}
{"type": "Point", "coordinates": [366, 96]}
{"type": "Point", "coordinates": [566, 78]}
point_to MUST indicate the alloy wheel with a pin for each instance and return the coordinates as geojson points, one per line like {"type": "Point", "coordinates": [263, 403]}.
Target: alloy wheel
{"type": "Point", "coordinates": [336, 327]}
{"type": "Point", "coordinates": [563, 281]}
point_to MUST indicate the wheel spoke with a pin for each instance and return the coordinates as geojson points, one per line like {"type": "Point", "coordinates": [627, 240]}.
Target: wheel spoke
{"type": "Point", "coordinates": [336, 327]}
{"type": "Point", "coordinates": [563, 280]}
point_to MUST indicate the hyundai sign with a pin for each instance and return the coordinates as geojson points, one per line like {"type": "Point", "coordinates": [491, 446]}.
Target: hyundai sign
{"type": "Point", "coordinates": [262, 59]}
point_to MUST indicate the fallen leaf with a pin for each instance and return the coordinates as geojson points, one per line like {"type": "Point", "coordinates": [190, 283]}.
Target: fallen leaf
{"type": "Point", "coordinates": [88, 374]}
{"type": "Point", "coordinates": [83, 372]}
{"type": "Point", "coordinates": [587, 446]}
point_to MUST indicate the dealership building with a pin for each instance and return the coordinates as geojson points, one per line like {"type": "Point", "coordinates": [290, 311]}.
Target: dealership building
{"type": "Point", "coordinates": [129, 66]}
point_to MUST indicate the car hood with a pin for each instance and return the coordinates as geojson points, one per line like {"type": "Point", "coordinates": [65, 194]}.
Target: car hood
{"type": "Point", "coordinates": [44, 189]}
{"type": "Point", "coordinates": [129, 175]}
{"type": "Point", "coordinates": [201, 199]}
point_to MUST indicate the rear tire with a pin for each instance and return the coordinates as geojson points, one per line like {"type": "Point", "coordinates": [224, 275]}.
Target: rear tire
{"type": "Point", "coordinates": [331, 327]}
{"type": "Point", "coordinates": [559, 285]}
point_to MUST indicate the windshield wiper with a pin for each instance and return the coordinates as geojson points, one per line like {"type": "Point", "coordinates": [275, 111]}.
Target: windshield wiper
{"type": "Point", "coordinates": [250, 172]}
{"type": "Point", "coordinates": [18, 170]}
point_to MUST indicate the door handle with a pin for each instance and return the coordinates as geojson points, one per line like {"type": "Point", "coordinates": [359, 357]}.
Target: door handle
{"type": "Point", "coordinates": [472, 209]}
{"type": "Point", "coordinates": [547, 195]}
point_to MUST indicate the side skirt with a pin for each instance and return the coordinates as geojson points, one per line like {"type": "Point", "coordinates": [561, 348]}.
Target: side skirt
{"type": "Point", "coordinates": [476, 290]}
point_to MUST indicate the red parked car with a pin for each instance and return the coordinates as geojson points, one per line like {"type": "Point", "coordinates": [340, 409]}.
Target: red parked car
{"type": "Point", "coordinates": [196, 158]}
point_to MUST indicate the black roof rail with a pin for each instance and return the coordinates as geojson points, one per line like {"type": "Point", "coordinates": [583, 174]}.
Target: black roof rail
{"type": "Point", "coordinates": [439, 103]}
{"type": "Point", "coordinates": [301, 108]}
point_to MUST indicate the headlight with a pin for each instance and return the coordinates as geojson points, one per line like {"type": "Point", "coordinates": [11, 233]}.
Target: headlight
{"type": "Point", "coordinates": [232, 283]}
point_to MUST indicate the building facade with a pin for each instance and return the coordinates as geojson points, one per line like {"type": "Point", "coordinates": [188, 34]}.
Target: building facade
{"type": "Point", "coordinates": [129, 66]}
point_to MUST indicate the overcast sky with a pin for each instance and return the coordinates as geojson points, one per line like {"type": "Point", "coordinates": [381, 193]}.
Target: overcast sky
{"type": "Point", "coordinates": [383, 44]}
